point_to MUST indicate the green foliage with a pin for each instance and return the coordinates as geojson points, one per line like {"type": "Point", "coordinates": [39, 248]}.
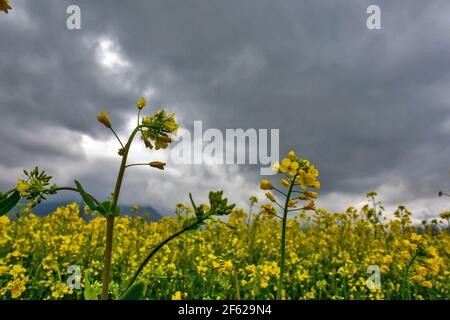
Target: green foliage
{"type": "Point", "coordinates": [136, 292]}
{"type": "Point", "coordinates": [8, 201]}
{"type": "Point", "coordinates": [39, 186]}
{"type": "Point", "coordinates": [35, 188]}
{"type": "Point", "coordinates": [104, 208]}
{"type": "Point", "coordinates": [91, 292]}
{"type": "Point", "coordinates": [217, 206]}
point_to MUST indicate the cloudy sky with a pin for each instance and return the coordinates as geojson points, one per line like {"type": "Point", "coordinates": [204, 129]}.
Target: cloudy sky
{"type": "Point", "coordinates": [369, 108]}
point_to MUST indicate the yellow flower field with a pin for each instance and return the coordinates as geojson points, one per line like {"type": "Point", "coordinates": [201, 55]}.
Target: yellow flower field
{"type": "Point", "coordinates": [327, 256]}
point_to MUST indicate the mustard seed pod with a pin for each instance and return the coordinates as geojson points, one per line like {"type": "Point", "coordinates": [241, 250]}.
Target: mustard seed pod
{"type": "Point", "coordinates": [157, 164]}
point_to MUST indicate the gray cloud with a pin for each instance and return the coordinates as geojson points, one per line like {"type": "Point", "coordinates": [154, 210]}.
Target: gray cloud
{"type": "Point", "coordinates": [370, 108]}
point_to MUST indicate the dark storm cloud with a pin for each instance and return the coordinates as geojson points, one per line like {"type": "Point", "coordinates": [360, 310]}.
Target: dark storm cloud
{"type": "Point", "coordinates": [370, 108]}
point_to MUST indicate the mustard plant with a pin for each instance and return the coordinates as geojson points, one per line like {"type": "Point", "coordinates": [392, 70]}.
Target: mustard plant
{"type": "Point", "coordinates": [218, 206]}
{"type": "Point", "coordinates": [298, 176]}
{"type": "Point", "coordinates": [156, 132]}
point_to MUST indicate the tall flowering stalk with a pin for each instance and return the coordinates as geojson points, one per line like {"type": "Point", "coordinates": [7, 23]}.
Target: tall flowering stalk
{"type": "Point", "coordinates": [156, 132]}
{"type": "Point", "coordinates": [298, 176]}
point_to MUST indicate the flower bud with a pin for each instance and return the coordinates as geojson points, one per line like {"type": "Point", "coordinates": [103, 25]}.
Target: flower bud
{"type": "Point", "coordinates": [104, 119]}
{"type": "Point", "coordinates": [141, 103]}
{"type": "Point", "coordinates": [22, 186]}
{"type": "Point", "coordinates": [147, 143]}
{"type": "Point", "coordinates": [266, 185]}
{"type": "Point", "coordinates": [292, 203]}
{"type": "Point", "coordinates": [165, 139]}
{"type": "Point", "coordinates": [5, 6]}
{"type": "Point", "coordinates": [285, 183]}
{"type": "Point", "coordinates": [311, 194]}
{"type": "Point", "coordinates": [310, 206]}
{"type": "Point", "coordinates": [270, 196]}
{"type": "Point", "coordinates": [157, 164]}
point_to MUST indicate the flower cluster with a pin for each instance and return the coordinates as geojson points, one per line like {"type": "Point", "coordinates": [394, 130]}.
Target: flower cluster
{"type": "Point", "coordinates": [302, 171]}
{"type": "Point", "coordinates": [158, 129]}
{"type": "Point", "coordinates": [5, 6]}
{"type": "Point", "coordinates": [296, 173]}
{"type": "Point", "coordinates": [36, 187]}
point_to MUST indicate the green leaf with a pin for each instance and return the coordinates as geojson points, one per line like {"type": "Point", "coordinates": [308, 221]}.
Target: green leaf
{"type": "Point", "coordinates": [86, 198]}
{"type": "Point", "coordinates": [8, 202]}
{"type": "Point", "coordinates": [90, 293]}
{"type": "Point", "coordinates": [104, 208]}
{"type": "Point", "coordinates": [136, 292]}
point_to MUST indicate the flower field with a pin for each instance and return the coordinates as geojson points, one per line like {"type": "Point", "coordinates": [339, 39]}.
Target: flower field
{"type": "Point", "coordinates": [286, 248]}
{"type": "Point", "coordinates": [327, 256]}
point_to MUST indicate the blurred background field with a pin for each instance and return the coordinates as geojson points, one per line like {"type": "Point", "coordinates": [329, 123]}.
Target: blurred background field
{"type": "Point", "coordinates": [327, 256]}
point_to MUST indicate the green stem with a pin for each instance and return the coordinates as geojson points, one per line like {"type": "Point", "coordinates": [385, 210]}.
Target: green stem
{"type": "Point", "coordinates": [236, 281]}
{"type": "Point", "coordinates": [284, 194]}
{"type": "Point", "coordinates": [110, 219]}
{"type": "Point", "coordinates": [250, 214]}
{"type": "Point", "coordinates": [448, 225]}
{"type": "Point", "coordinates": [253, 237]}
{"type": "Point", "coordinates": [283, 241]}
{"type": "Point", "coordinates": [137, 164]}
{"type": "Point", "coordinates": [156, 249]}
{"type": "Point", "coordinates": [108, 256]}
{"type": "Point", "coordinates": [405, 275]}
{"type": "Point", "coordinates": [118, 139]}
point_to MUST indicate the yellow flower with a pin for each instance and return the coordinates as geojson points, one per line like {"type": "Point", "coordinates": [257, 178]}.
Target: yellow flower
{"type": "Point", "coordinates": [285, 183]}
{"type": "Point", "coordinates": [292, 155]}
{"type": "Point", "coordinates": [266, 185]}
{"type": "Point", "coordinates": [306, 180]}
{"type": "Point", "coordinates": [293, 168]}
{"type": "Point", "coordinates": [289, 166]}
{"type": "Point", "coordinates": [384, 269]}
{"type": "Point", "coordinates": [171, 124]}
{"type": "Point", "coordinates": [141, 103]}
{"type": "Point", "coordinates": [177, 296]}
{"type": "Point", "coordinates": [5, 6]}
{"type": "Point", "coordinates": [427, 284]}
{"type": "Point", "coordinates": [387, 259]}
{"type": "Point", "coordinates": [17, 270]}
{"type": "Point", "coordinates": [157, 164]}
{"type": "Point", "coordinates": [202, 269]}
{"type": "Point", "coordinates": [228, 265]}
{"type": "Point", "coordinates": [17, 287]}
{"type": "Point", "coordinates": [276, 167]}
{"type": "Point", "coordinates": [285, 163]}
{"type": "Point", "coordinates": [417, 278]}
{"type": "Point", "coordinates": [22, 186]}
{"type": "Point", "coordinates": [104, 119]}
{"type": "Point", "coordinates": [270, 196]}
